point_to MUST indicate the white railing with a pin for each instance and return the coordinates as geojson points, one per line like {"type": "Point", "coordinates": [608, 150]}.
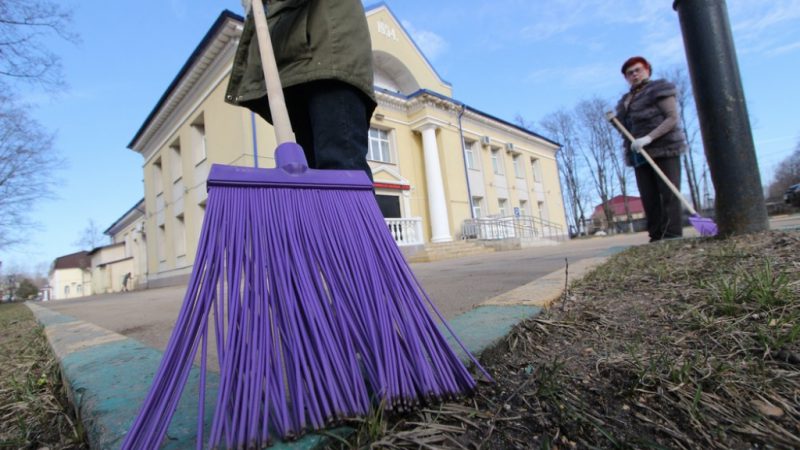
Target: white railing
{"type": "Point", "coordinates": [493, 228]}
{"type": "Point", "coordinates": [406, 230]}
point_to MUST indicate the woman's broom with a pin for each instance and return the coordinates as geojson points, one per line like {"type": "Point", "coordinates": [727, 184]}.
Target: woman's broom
{"type": "Point", "coordinates": [316, 314]}
{"type": "Point", "coordinates": [703, 225]}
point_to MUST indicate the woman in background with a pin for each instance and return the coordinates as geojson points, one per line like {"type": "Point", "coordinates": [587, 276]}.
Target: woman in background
{"type": "Point", "coordinates": [650, 112]}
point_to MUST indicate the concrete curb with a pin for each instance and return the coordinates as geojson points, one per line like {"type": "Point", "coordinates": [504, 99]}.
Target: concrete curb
{"type": "Point", "coordinates": [108, 375]}
{"type": "Point", "coordinates": [543, 291]}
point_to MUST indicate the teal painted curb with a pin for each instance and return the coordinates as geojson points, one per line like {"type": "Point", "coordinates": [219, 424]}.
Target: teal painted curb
{"type": "Point", "coordinates": [109, 383]}
{"type": "Point", "coordinates": [483, 326]}
{"type": "Point", "coordinates": [611, 251]}
{"type": "Point", "coordinates": [108, 375]}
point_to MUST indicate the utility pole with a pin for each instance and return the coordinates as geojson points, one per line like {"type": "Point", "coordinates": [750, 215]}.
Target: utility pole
{"type": "Point", "coordinates": [722, 113]}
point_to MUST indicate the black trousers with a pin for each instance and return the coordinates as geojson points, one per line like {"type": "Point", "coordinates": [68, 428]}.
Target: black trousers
{"type": "Point", "coordinates": [330, 120]}
{"type": "Point", "coordinates": [661, 208]}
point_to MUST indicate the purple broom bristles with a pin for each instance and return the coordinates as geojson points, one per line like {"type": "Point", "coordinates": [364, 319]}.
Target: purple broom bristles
{"type": "Point", "coordinates": [703, 225]}
{"type": "Point", "coordinates": [316, 315]}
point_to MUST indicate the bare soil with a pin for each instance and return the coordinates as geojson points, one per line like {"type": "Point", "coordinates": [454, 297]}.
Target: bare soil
{"type": "Point", "coordinates": [682, 344]}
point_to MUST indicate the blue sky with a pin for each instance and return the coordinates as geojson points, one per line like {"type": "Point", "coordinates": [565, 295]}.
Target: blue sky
{"type": "Point", "coordinates": [504, 57]}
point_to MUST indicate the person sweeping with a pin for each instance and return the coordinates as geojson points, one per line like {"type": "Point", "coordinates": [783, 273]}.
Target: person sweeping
{"type": "Point", "coordinates": [324, 55]}
{"type": "Point", "coordinates": [650, 112]}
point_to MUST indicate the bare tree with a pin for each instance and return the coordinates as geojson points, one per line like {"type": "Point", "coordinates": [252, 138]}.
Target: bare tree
{"type": "Point", "coordinates": [27, 156]}
{"type": "Point", "coordinates": [598, 150]}
{"type": "Point", "coordinates": [561, 126]}
{"type": "Point", "coordinates": [610, 137]}
{"type": "Point", "coordinates": [24, 27]}
{"type": "Point", "coordinates": [685, 99]}
{"type": "Point", "coordinates": [91, 237]}
{"type": "Point", "coordinates": [788, 174]}
{"type": "Point", "coordinates": [27, 163]}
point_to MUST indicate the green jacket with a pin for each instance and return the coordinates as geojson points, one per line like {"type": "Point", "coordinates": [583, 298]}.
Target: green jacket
{"type": "Point", "coordinates": [312, 40]}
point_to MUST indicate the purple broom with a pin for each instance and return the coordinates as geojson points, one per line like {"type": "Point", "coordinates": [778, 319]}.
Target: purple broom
{"type": "Point", "coordinates": [703, 225]}
{"type": "Point", "coordinates": [315, 313]}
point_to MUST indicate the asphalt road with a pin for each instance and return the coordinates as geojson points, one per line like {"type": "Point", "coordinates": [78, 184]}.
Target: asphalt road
{"type": "Point", "coordinates": [458, 285]}
{"type": "Point", "coordinates": [455, 286]}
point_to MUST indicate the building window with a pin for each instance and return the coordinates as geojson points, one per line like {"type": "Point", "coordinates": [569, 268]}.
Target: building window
{"type": "Point", "coordinates": [517, 167]}
{"type": "Point", "coordinates": [175, 160]}
{"type": "Point", "coordinates": [201, 217]}
{"type": "Point", "coordinates": [78, 289]}
{"type": "Point", "coordinates": [180, 236]}
{"type": "Point", "coordinates": [523, 208]}
{"type": "Point", "coordinates": [379, 146]}
{"type": "Point", "coordinates": [158, 176]}
{"type": "Point", "coordinates": [469, 155]}
{"type": "Point", "coordinates": [161, 242]}
{"type": "Point", "coordinates": [198, 133]}
{"type": "Point", "coordinates": [537, 170]}
{"type": "Point", "coordinates": [476, 207]}
{"type": "Point", "coordinates": [66, 291]}
{"type": "Point", "coordinates": [501, 205]}
{"type": "Point", "coordinates": [497, 161]}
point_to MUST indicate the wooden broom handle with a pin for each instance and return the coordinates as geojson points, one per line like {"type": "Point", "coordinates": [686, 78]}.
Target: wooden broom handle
{"type": "Point", "coordinates": [613, 118]}
{"type": "Point", "coordinates": [277, 104]}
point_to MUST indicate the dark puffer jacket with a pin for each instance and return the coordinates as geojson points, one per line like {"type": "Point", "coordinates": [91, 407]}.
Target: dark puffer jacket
{"type": "Point", "coordinates": [312, 40]}
{"type": "Point", "coordinates": [643, 115]}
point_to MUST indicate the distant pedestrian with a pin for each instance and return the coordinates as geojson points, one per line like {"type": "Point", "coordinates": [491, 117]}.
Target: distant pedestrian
{"type": "Point", "coordinates": [650, 112]}
{"type": "Point", "coordinates": [125, 281]}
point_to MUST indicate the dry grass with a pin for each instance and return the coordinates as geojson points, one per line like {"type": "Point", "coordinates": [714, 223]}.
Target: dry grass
{"type": "Point", "coordinates": [683, 344]}
{"type": "Point", "coordinates": [34, 411]}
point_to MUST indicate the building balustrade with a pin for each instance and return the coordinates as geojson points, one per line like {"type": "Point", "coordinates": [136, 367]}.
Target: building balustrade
{"type": "Point", "coordinates": [508, 227]}
{"type": "Point", "coordinates": [406, 230]}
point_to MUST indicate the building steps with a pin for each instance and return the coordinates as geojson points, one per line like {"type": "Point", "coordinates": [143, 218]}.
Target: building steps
{"type": "Point", "coordinates": [448, 250]}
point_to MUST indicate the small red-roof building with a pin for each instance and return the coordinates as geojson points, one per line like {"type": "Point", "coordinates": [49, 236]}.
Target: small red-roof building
{"type": "Point", "coordinates": [71, 276]}
{"type": "Point", "coordinates": [617, 205]}
{"type": "Point", "coordinates": [77, 260]}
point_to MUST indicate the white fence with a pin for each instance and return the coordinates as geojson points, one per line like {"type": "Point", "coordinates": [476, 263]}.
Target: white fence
{"type": "Point", "coordinates": [494, 228]}
{"type": "Point", "coordinates": [406, 230]}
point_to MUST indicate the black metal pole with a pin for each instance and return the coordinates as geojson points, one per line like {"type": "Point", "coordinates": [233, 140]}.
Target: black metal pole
{"type": "Point", "coordinates": [722, 113]}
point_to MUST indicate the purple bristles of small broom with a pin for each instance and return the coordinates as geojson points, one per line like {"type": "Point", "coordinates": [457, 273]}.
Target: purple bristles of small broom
{"type": "Point", "coordinates": [703, 225]}
{"type": "Point", "coordinates": [317, 317]}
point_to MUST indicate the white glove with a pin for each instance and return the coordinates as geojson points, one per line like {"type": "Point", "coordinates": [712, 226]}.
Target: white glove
{"type": "Point", "coordinates": [638, 144]}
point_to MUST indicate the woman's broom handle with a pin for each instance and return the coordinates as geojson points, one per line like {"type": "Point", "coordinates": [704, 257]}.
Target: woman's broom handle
{"type": "Point", "coordinates": [610, 115]}
{"type": "Point", "coordinates": [277, 104]}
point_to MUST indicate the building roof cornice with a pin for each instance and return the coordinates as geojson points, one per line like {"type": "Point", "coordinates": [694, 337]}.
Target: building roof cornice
{"type": "Point", "coordinates": [372, 9]}
{"type": "Point", "coordinates": [226, 28]}
{"type": "Point", "coordinates": [136, 212]}
{"type": "Point", "coordinates": [425, 97]}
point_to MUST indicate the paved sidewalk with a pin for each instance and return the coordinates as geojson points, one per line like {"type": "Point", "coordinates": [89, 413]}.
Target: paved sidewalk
{"type": "Point", "coordinates": [109, 374]}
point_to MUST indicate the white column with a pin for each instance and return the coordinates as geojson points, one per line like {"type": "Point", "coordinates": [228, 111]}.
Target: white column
{"type": "Point", "coordinates": [440, 228]}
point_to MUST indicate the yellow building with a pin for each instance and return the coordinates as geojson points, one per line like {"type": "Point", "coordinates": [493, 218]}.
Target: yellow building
{"type": "Point", "coordinates": [119, 266]}
{"type": "Point", "coordinates": [437, 162]}
{"type": "Point", "coordinates": [122, 265]}
{"type": "Point", "coordinates": [71, 276]}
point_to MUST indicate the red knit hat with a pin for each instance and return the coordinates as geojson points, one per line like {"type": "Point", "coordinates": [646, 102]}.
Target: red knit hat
{"type": "Point", "coordinates": [636, 59]}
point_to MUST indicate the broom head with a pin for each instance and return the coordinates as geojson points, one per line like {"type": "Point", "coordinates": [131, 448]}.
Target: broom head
{"type": "Point", "coordinates": [291, 171]}
{"type": "Point", "coordinates": [703, 225]}
{"type": "Point", "coordinates": [313, 310]}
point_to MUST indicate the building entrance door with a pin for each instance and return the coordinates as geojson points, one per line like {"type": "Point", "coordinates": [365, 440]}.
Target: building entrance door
{"type": "Point", "coordinates": [389, 205]}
